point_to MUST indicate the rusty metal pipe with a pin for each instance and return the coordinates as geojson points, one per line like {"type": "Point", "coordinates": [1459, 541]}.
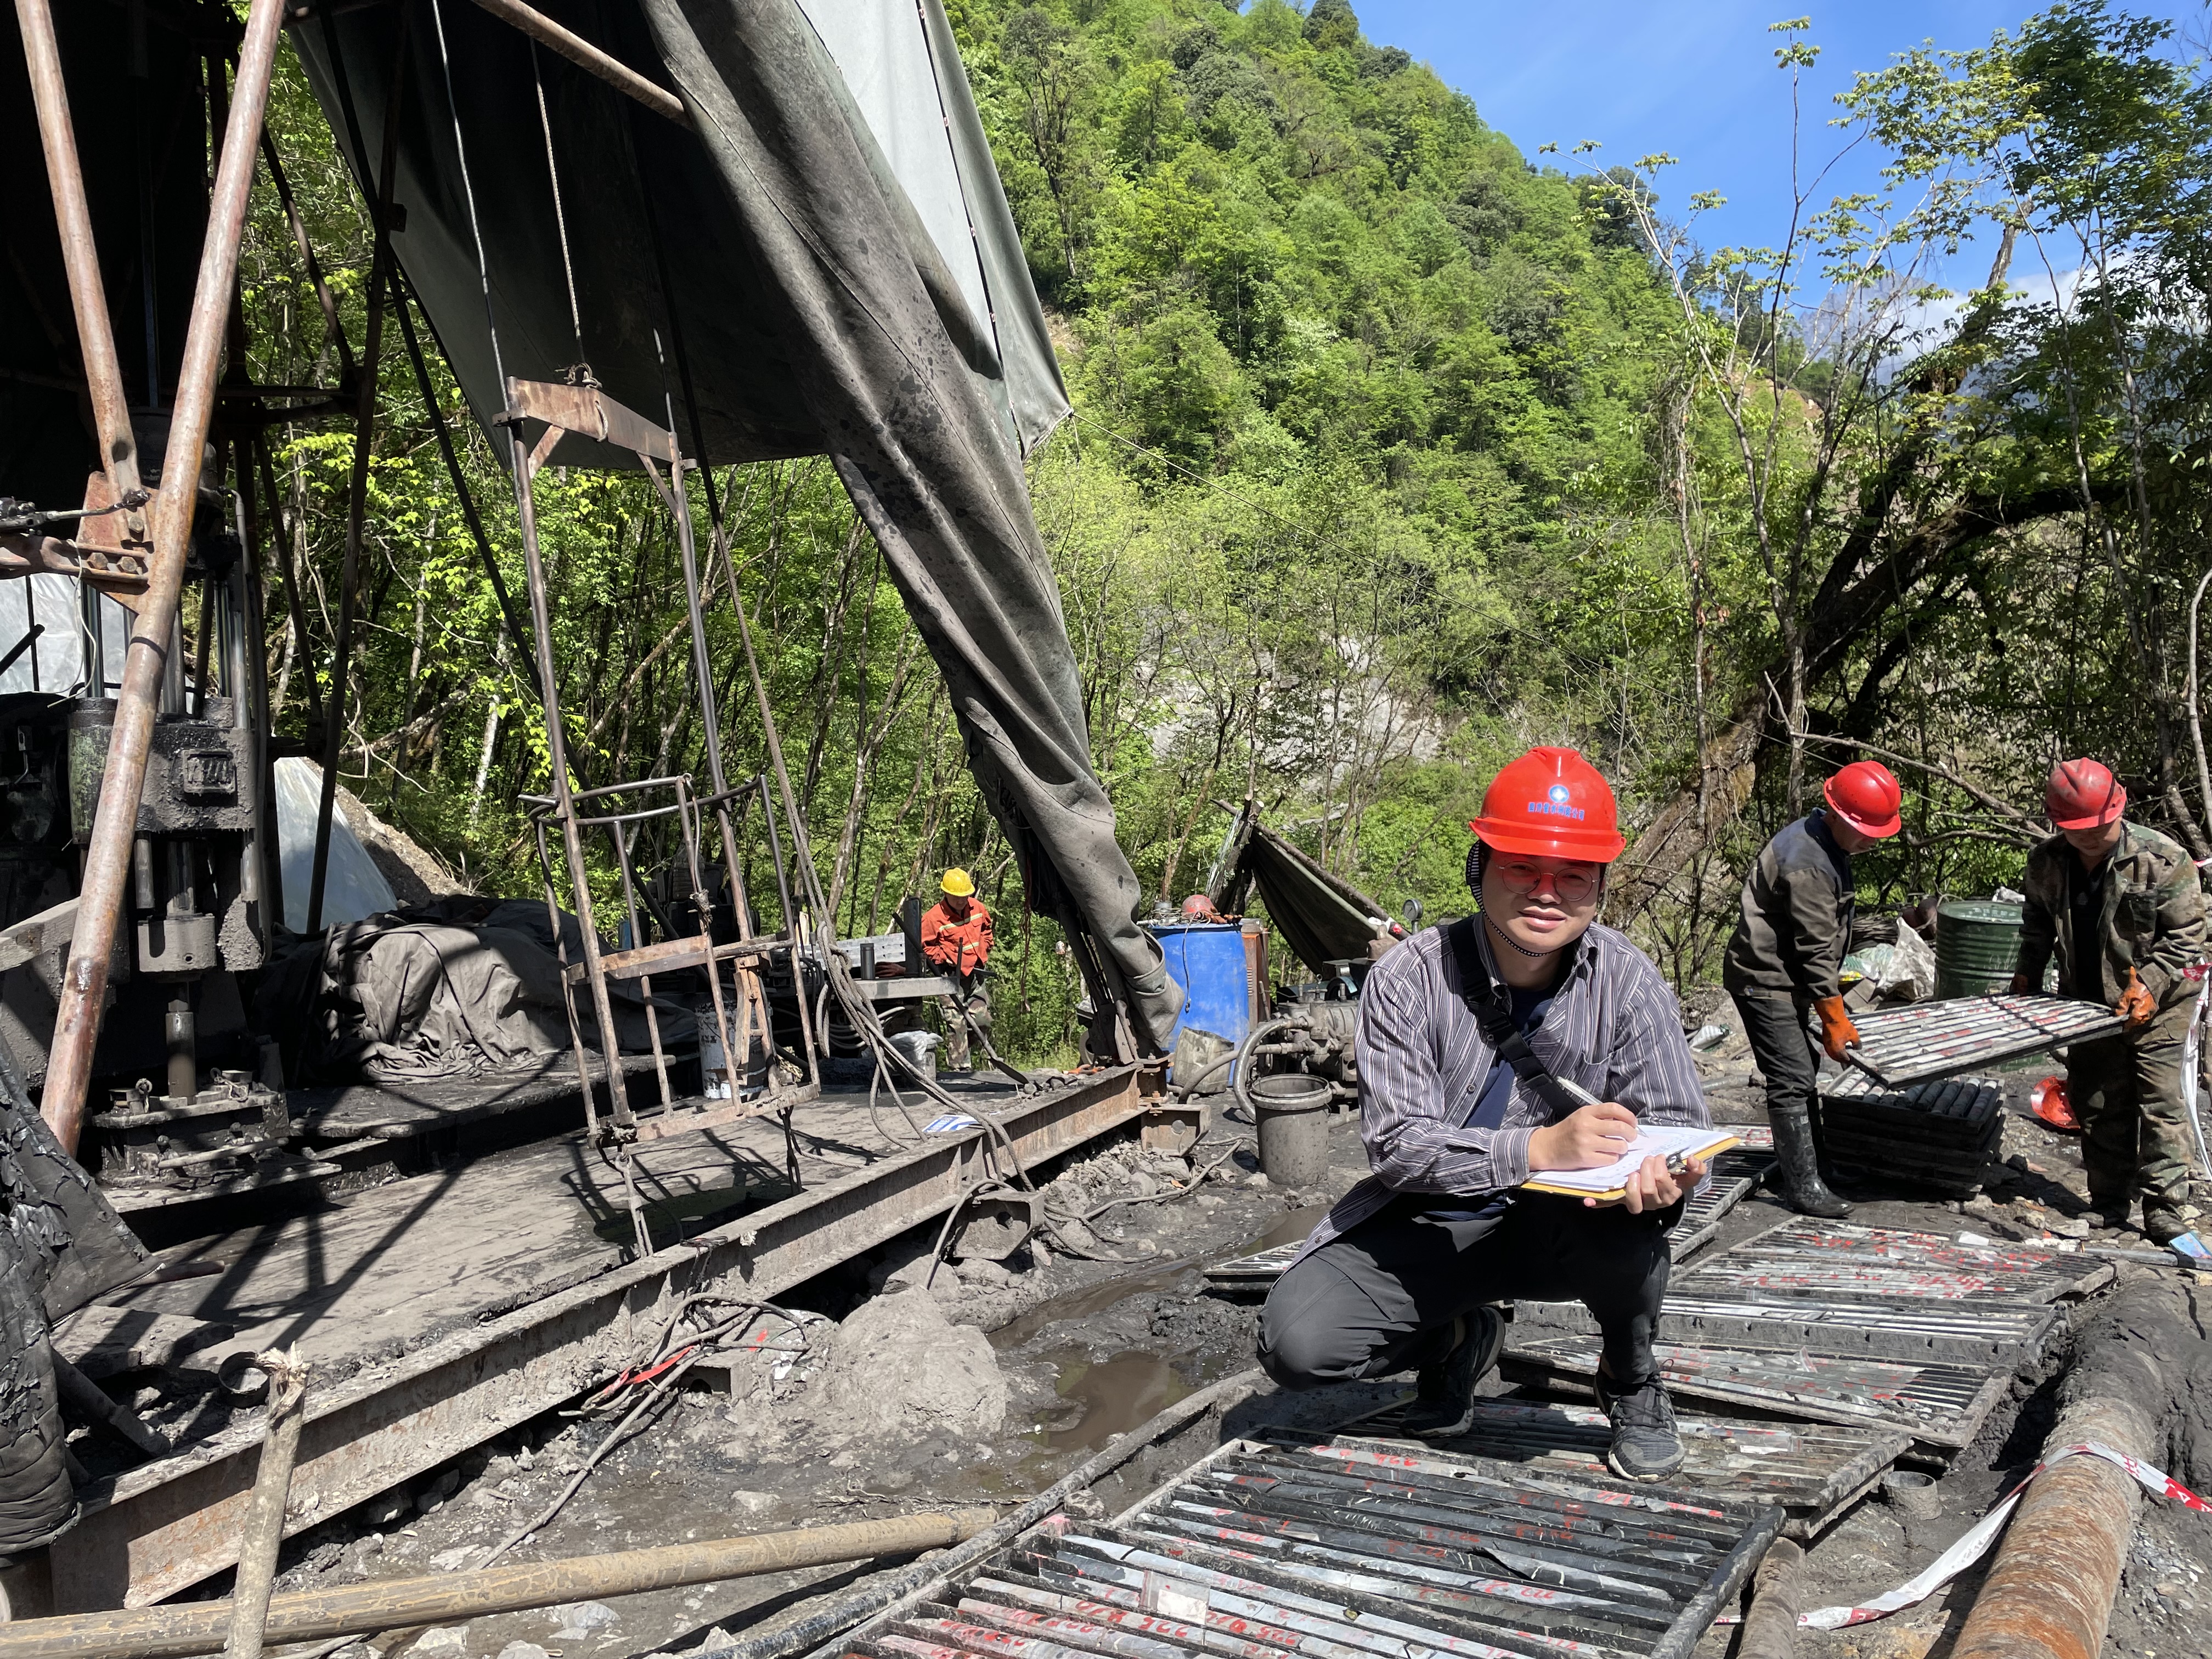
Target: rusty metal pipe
{"type": "Point", "coordinates": [195, 1627]}
{"type": "Point", "coordinates": [96, 331]}
{"type": "Point", "coordinates": [1770, 1629]}
{"type": "Point", "coordinates": [107, 857]}
{"type": "Point", "coordinates": [2050, 1594]}
{"type": "Point", "coordinates": [588, 57]}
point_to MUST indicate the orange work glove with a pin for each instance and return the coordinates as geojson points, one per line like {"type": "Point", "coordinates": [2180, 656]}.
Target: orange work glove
{"type": "Point", "coordinates": [1836, 1031]}
{"type": "Point", "coordinates": [2023, 986]}
{"type": "Point", "coordinates": [2136, 1005]}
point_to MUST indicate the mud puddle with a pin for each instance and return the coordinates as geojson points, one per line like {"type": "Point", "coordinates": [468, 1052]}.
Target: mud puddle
{"type": "Point", "coordinates": [1108, 1394]}
{"type": "Point", "coordinates": [1088, 1303]}
{"type": "Point", "coordinates": [1291, 1228]}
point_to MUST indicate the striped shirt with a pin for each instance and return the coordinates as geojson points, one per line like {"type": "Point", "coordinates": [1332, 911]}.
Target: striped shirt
{"type": "Point", "coordinates": [1612, 1027]}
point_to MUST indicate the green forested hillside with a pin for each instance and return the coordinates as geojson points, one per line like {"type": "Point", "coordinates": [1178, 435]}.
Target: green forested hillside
{"type": "Point", "coordinates": [1399, 447]}
{"type": "Point", "coordinates": [1394, 511]}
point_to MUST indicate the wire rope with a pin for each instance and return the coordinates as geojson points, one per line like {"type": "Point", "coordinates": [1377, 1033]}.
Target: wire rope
{"type": "Point", "coordinates": [580, 375]}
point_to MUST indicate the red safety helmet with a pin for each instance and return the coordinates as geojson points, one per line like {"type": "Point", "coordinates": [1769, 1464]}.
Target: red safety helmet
{"type": "Point", "coordinates": [1867, 796]}
{"type": "Point", "coordinates": [2047, 1100]}
{"type": "Point", "coordinates": [1200, 907]}
{"type": "Point", "coordinates": [1550, 803]}
{"type": "Point", "coordinates": [2083, 794]}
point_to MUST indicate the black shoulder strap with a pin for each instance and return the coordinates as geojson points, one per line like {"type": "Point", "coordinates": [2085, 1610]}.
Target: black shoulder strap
{"type": "Point", "coordinates": [1493, 1013]}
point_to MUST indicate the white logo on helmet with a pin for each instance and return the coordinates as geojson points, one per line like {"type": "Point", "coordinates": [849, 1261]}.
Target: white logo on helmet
{"type": "Point", "coordinates": [1556, 804]}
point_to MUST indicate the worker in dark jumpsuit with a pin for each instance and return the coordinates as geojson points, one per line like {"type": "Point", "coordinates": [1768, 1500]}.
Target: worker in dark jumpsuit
{"type": "Point", "coordinates": [1785, 961]}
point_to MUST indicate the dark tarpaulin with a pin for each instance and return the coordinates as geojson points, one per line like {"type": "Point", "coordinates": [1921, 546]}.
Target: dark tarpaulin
{"type": "Point", "coordinates": [1324, 920]}
{"type": "Point", "coordinates": [801, 274]}
{"type": "Point", "coordinates": [61, 1244]}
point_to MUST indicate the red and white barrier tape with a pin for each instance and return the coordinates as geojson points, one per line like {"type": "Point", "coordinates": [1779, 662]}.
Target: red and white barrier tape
{"type": "Point", "coordinates": [1976, 1543]}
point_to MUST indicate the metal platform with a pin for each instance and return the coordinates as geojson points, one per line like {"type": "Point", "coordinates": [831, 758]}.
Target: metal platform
{"type": "Point", "coordinates": [1262, 1549]}
{"type": "Point", "coordinates": [1810, 1471]}
{"type": "Point", "coordinates": [1924, 1040]}
{"type": "Point", "coordinates": [443, 1309]}
{"type": "Point", "coordinates": [1941, 1403]}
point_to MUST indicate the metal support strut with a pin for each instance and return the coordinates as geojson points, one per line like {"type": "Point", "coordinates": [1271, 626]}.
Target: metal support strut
{"type": "Point", "coordinates": [107, 854]}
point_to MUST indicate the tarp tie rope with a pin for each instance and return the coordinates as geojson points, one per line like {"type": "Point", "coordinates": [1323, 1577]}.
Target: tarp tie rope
{"type": "Point", "coordinates": [580, 372]}
{"type": "Point", "coordinates": [1975, 1544]}
{"type": "Point", "coordinates": [469, 194]}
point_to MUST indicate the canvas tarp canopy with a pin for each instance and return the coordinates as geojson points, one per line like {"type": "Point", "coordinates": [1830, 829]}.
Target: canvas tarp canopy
{"type": "Point", "coordinates": [824, 256]}
{"type": "Point", "coordinates": [1323, 918]}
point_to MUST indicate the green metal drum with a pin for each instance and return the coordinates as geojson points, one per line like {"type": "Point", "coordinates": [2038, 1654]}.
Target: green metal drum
{"type": "Point", "coordinates": [1976, 947]}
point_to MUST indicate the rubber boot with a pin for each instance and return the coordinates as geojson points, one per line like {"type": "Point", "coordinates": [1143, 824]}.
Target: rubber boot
{"type": "Point", "coordinates": [1802, 1190]}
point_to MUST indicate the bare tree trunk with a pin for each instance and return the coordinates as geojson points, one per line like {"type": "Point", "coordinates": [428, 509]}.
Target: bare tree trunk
{"type": "Point", "coordinates": [864, 772]}
{"type": "Point", "coordinates": [491, 727]}
{"type": "Point", "coordinates": [1727, 769]}
{"type": "Point", "coordinates": [913, 795]}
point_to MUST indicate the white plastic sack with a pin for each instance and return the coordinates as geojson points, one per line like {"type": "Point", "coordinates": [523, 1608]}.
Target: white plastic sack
{"type": "Point", "coordinates": [1908, 976]}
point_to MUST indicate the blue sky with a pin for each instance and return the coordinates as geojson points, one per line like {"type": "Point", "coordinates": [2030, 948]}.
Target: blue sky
{"type": "Point", "coordinates": [1695, 78]}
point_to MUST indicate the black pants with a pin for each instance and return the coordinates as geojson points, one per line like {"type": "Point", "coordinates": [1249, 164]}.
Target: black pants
{"type": "Point", "coordinates": [1382, 1297]}
{"type": "Point", "coordinates": [1783, 1050]}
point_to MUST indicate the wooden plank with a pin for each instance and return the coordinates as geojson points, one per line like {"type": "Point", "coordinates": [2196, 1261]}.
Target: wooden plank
{"type": "Point", "coordinates": [671, 955]}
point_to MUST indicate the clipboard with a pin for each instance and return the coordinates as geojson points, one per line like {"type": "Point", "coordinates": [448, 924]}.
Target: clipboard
{"type": "Point", "coordinates": [1703, 1154]}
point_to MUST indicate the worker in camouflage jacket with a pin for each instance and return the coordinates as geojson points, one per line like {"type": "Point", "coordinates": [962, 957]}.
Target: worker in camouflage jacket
{"type": "Point", "coordinates": [2122, 909]}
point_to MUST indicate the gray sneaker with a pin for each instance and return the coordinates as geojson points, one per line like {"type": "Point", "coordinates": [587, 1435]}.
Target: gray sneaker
{"type": "Point", "coordinates": [1445, 1405]}
{"type": "Point", "coordinates": [1645, 1446]}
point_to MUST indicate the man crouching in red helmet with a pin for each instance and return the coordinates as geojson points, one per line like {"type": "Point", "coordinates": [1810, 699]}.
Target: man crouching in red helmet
{"type": "Point", "coordinates": [1467, 1033]}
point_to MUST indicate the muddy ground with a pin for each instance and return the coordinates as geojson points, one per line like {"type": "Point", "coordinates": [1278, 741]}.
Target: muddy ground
{"type": "Point", "coordinates": [889, 1395]}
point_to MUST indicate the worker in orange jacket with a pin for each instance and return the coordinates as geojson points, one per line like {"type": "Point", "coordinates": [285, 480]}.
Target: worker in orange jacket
{"type": "Point", "coordinates": [956, 939]}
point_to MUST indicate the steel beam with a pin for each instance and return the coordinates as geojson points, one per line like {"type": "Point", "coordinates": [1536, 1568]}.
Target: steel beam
{"type": "Point", "coordinates": [107, 854]}
{"type": "Point", "coordinates": [151, 1532]}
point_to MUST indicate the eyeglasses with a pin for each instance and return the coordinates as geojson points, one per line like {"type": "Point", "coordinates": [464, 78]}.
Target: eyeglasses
{"type": "Point", "coordinates": [1577, 884]}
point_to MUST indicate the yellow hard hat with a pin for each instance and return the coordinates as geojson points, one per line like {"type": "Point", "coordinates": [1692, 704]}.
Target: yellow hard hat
{"type": "Point", "coordinates": [958, 883]}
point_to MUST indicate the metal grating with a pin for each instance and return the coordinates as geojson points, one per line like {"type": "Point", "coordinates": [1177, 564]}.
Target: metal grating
{"type": "Point", "coordinates": [1256, 1271]}
{"type": "Point", "coordinates": [1939, 1402]}
{"type": "Point", "coordinates": [1737, 1172]}
{"type": "Point", "coordinates": [1936, 1039]}
{"type": "Point", "coordinates": [1810, 1471]}
{"type": "Point", "coordinates": [1804, 1257]}
{"type": "Point", "coordinates": [1264, 1550]}
{"type": "Point", "coordinates": [1904, 1328]}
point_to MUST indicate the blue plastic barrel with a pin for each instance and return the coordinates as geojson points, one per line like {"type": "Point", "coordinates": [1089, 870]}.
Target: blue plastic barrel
{"type": "Point", "coordinates": [1208, 959]}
